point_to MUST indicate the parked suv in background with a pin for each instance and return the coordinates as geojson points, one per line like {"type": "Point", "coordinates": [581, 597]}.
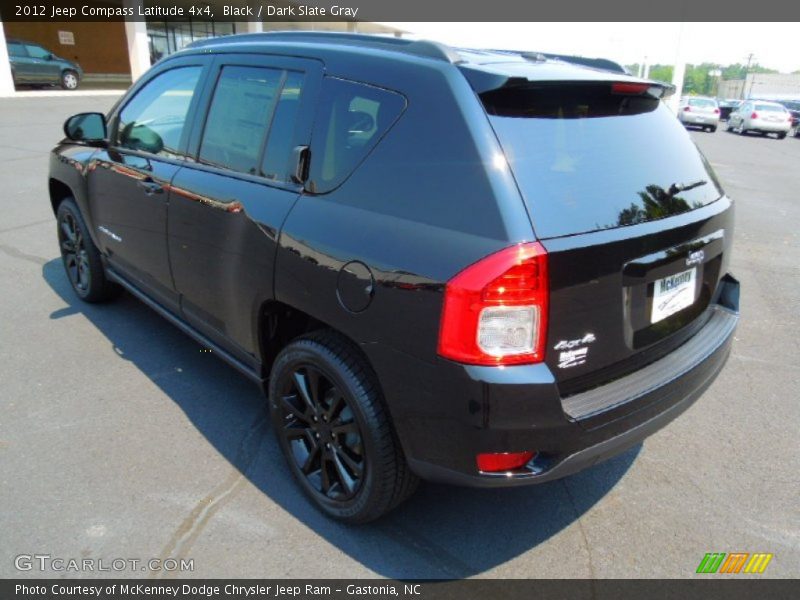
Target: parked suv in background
{"type": "Point", "coordinates": [699, 112]}
{"type": "Point", "coordinates": [761, 117]}
{"type": "Point", "coordinates": [473, 267]}
{"type": "Point", "coordinates": [33, 64]}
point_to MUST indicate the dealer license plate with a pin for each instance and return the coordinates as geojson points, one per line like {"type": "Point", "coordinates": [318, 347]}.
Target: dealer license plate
{"type": "Point", "coordinates": [672, 294]}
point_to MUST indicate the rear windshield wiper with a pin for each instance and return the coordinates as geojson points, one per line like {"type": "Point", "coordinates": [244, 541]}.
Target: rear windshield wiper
{"type": "Point", "coordinates": [677, 188]}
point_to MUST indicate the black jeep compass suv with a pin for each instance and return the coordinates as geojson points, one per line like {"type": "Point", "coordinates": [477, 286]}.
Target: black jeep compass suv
{"type": "Point", "coordinates": [484, 268]}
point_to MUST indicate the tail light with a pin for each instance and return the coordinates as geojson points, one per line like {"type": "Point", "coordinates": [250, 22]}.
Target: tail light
{"type": "Point", "coordinates": [687, 109]}
{"type": "Point", "coordinates": [716, 111]}
{"type": "Point", "coordinates": [495, 311]}
{"type": "Point", "coordinates": [754, 115]}
{"type": "Point", "coordinates": [503, 461]}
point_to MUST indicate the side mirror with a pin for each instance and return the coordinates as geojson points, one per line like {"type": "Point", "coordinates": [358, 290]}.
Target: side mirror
{"type": "Point", "coordinates": [86, 127]}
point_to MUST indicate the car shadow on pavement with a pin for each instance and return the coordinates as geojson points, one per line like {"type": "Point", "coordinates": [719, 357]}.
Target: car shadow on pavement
{"type": "Point", "coordinates": [441, 532]}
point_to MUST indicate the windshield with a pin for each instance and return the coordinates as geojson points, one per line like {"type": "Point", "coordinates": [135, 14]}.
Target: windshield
{"type": "Point", "coordinates": [585, 159]}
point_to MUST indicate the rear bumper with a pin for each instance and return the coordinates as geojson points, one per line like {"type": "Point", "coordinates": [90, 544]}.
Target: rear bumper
{"type": "Point", "coordinates": [519, 409]}
{"type": "Point", "coordinates": [767, 127]}
{"type": "Point", "coordinates": [699, 119]}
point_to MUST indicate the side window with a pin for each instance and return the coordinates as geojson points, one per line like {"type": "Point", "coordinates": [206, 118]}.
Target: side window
{"type": "Point", "coordinates": [280, 143]}
{"type": "Point", "coordinates": [239, 117]}
{"type": "Point", "coordinates": [17, 50]}
{"type": "Point", "coordinates": [153, 121]}
{"type": "Point", "coordinates": [36, 51]}
{"type": "Point", "coordinates": [351, 120]}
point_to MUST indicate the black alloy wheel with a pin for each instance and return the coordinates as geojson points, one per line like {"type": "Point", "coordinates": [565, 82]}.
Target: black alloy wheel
{"type": "Point", "coordinates": [73, 251]}
{"type": "Point", "coordinates": [321, 432]}
{"type": "Point", "coordinates": [81, 258]}
{"type": "Point", "coordinates": [333, 427]}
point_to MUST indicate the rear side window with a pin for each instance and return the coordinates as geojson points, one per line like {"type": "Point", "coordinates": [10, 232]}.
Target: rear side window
{"type": "Point", "coordinates": [154, 120]}
{"type": "Point", "coordinates": [239, 117]}
{"type": "Point", "coordinates": [351, 120]}
{"type": "Point", "coordinates": [17, 50]}
{"type": "Point", "coordinates": [586, 159]}
{"type": "Point", "coordinates": [282, 132]}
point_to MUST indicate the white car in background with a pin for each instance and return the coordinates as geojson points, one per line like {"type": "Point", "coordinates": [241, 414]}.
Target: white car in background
{"type": "Point", "coordinates": [762, 117]}
{"type": "Point", "coordinates": [697, 111]}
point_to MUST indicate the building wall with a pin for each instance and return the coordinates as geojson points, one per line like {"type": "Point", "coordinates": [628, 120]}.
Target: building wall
{"type": "Point", "coordinates": [99, 47]}
{"type": "Point", "coordinates": [762, 85]}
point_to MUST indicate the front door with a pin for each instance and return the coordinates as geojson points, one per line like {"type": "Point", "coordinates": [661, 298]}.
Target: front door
{"type": "Point", "coordinates": [129, 183]}
{"type": "Point", "coordinates": [42, 67]}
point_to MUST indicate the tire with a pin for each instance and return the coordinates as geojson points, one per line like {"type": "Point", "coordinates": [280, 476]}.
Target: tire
{"type": "Point", "coordinates": [781, 136]}
{"type": "Point", "coordinates": [712, 129]}
{"type": "Point", "coordinates": [80, 256]}
{"type": "Point", "coordinates": [334, 430]}
{"type": "Point", "coordinates": [742, 130]}
{"type": "Point", "coordinates": [69, 80]}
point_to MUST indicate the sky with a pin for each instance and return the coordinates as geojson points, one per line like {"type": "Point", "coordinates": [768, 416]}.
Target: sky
{"type": "Point", "coordinates": [774, 45]}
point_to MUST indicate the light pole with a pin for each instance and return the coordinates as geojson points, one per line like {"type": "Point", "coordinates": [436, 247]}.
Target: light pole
{"type": "Point", "coordinates": [716, 74]}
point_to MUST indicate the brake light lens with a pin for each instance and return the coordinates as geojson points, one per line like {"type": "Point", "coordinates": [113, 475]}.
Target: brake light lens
{"type": "Point", "coordinates": [754, 115]}
{"type": "Point", "coordinates": [629, 88]}
{"type": "Point", "coordinates": [495, 311]}
{"type": "Point", "coordinates": [687, 109]}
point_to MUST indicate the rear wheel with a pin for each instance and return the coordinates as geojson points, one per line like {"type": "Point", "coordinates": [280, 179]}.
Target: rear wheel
{"type": "Point", "coordinates": [69, 80]}
{"type": "Point", "coordinates": [781, 136]}
{"type": "Point", "coordinates": [81, 257]}
{"type": "Point", "coordinates": [334, 430]}
{"type": "Point", "coordinates": [712, 129]}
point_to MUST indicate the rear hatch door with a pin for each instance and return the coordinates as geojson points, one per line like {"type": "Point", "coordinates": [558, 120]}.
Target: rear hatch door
{"type": "Point", "coordinates": [634, 221]}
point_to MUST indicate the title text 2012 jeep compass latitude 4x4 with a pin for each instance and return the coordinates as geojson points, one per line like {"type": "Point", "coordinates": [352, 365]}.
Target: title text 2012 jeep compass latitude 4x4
{"type": "Point", "coordinates": [483, 268]}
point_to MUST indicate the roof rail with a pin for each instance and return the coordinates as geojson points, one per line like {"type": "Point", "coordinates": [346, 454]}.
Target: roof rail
{"type": "Point", "coordinates": [422, 48]}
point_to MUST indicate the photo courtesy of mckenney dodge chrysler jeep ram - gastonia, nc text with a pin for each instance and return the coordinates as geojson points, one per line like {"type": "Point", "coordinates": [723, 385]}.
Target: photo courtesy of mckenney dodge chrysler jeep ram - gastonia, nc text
{"type": "Point", "coordinates": [473, 267]}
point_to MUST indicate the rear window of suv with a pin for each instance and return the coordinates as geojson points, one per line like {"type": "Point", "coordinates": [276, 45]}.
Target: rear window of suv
{"type": "Point", "coordinates": [586, 159]}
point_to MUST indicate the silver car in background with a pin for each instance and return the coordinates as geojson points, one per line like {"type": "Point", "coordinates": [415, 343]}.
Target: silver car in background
{"type": "Point", "coordinates": [762, 117]}
{"type": "Point", "coordinates": [697, 111]}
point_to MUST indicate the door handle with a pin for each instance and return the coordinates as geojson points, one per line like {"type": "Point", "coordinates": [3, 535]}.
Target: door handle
{"type": "Point", "coordinates": [150, 187]}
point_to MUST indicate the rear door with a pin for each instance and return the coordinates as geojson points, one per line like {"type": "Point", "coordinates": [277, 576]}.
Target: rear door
{"type": "Point", "coordinates": [227, 206]}
{"type": "Point", "coordinates": [635, 224]}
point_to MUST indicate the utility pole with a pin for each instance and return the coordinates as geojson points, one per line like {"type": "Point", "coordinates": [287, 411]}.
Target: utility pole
{"type": "Point", "coordinates": [750, 58]}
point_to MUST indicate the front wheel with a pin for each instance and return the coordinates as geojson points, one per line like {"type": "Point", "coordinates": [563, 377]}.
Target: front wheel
{"type": "Point", "coordinates": [332, 426]}
{"type": "Point", "coordinates": [81, 257]}
{"type": "Point", "coordinates": [69, 80]}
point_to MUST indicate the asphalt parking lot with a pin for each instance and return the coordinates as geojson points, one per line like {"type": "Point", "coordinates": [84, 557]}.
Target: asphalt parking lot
{"type": "Point", "coordinates": [119, 438]}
